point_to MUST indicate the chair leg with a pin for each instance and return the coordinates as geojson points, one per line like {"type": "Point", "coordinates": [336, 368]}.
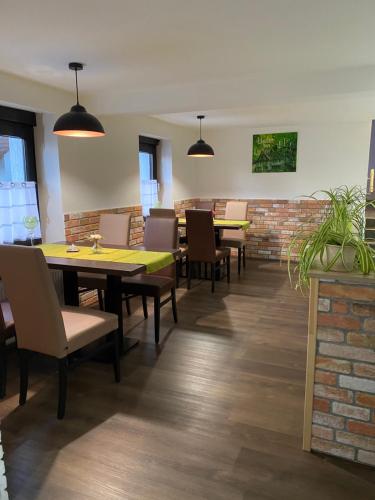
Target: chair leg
{"type": "Point", "coordinates": [205, 270]}
{"type": "Point", "coordinates": [188, 270]}
{"type": "Point", "coordinates": [213, 276]}
{"type": "Point", "coordinates": [127, 304]}
{"type": "Point", "coordinates": [178, 271]}
{"type": "Point", "coordinates": [100, 300]}
{"type": "Point", "coordinates": [228, 269]}
{"type": "Point", "coordinates": [174, 304]}
{"type": "Point", "coordinates": [244, 257]}
{"type": "Point", "coordinates": [239, 261]}
{"type": "Point", "coordinates": [63, 379]}
{"type": "Point", "coordinates": [3, 368]}
{"type": "Point", "coordinates": [144, 305]}
{"type": "Point", "coordinates": [157, 318]}
{"type": "Point", "coordinates": [116, 356]}
{"type": "Point", "coordinates": [24, 375]}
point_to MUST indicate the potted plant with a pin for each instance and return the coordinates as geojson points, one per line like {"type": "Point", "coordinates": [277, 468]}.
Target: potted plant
{"type": "Point", "coordinates": [338, 243]}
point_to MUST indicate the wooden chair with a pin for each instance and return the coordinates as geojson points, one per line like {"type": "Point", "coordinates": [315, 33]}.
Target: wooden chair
{"type": "Point", "coordinates": [160, 233]}
{"type": "Point", "coordinates": [43, 326]}
{"type": "Point", "coordinates": [162, 212]}
{"type": "Point", "coordinates": [7, 331]}
{"type": "Point", "coordinates": [115, 229]}
{"type": "Point", "coordinates": [202, 248]}
{"type": "Point", "coordinates": [236, 238]}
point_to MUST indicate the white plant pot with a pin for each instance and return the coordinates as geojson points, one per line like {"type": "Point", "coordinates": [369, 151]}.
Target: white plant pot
{"type": "Point", "coordinates": [345, 263]}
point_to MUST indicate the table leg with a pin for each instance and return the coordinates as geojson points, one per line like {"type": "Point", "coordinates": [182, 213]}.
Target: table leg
{"type": "Point", "coordinates": [113, 304]}
{"type": "Point", "coordinates": [70, 281]}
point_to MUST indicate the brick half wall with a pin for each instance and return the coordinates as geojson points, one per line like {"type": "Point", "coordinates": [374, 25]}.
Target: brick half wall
{"type": "Point", "coordinates": [274, 223]}
{"type": "Point", "coordinates": [79, 225]}
{"type": "Point", "coordinates": [344, 382]}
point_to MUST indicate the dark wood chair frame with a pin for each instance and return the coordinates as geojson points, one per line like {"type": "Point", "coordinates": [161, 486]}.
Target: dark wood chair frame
{"type": "Point", "coordinates": [215, 266]}
{"type": "Point", "coordinates": [64, 364]}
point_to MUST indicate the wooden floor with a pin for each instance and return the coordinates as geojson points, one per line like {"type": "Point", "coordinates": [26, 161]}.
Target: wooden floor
{"type": "Point", "coordinates": [215, 412]}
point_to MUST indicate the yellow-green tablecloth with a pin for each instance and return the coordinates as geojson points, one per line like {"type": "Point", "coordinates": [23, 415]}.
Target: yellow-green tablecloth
{"type": "Point", "coordinates": [244, 224]}
{"type": "Point", "coordinates": [154, 261]}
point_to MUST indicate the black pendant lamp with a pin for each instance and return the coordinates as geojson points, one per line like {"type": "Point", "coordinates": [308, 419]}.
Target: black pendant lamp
{"type": "Point", "coordinates": [200, 149]}
{"type": "Point", "coordinates": [78, 122]}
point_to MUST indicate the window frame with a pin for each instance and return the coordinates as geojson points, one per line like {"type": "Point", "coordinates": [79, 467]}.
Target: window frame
{"type": "Point", "coordinates": [149, 145]}
{"type": "Point", "coordinates": [20, 123]}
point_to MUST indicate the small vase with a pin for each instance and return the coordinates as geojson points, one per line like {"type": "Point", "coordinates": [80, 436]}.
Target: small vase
{"type": "Point", "coordinates": [96, 248]}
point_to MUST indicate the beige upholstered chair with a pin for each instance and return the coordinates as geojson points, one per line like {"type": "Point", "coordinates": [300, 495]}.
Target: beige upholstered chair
{"type": "Point", "coordinates": [115, 229]}
{"type": "Point", "coordinates": [182, 258]}
{"type": "Point", "coordinates": [205, 205]}
{"type": "Point", "coordinates": [236, 238]}
{"type": "Point", "coordinates": [162, 212]}
{"type": "Point", "coordinates": [42, 325]}
{"type": "Point", "coordinates": [7, 331]}
{"type": "Point", "coordinates": [160, 233]}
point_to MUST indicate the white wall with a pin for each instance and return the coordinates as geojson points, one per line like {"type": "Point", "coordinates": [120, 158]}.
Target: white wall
{"type": "Point", "coordinates": [49, 185]}
{"type": "Point", "coordinates": [34, 96]}
{"type": "Point", "coordinates": [329, 155]}
{"type": "Point", "coordinates": [104, 172]}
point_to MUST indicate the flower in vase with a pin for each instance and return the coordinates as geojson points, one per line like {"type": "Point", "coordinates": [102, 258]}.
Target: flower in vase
{"type": "Point", "coordinates": [95, 237]}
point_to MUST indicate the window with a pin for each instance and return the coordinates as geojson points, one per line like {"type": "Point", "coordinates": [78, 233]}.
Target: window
{"type": "Point", "coordinates": [148, 173]}
{"type": "Point", "coordinates": [19, 215]}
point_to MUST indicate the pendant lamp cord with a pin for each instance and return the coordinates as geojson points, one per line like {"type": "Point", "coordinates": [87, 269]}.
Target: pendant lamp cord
{"type": "Point", "coordinates": [76, 86]}
{"type": "Point", "coordinates": [200, 128]}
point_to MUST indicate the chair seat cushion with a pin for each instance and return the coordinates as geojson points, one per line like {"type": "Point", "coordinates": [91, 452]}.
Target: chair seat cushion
{"type": "Point", "coordinates": [222, 252]}
{"type": "Point", "coordinates": [84, 325]}
{"type": "Point", "coordinates": [233, 243]}
{"type": "Point", "coordinates": [10, 330]}
{"type": "Point", "coordinates": [92, 281]}
{"type": "Point", "coordinates": [150, 285]}
{"type": "Point", "coordinates": [7, 314]}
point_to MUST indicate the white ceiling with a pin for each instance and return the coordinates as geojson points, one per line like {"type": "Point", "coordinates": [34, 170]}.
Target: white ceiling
{"type": "Point", "coordinates": [182, 56]}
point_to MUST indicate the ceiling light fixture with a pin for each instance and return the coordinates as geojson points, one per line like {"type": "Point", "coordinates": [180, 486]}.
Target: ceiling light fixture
{"type": "Point", "coordinates": [200, 149]}
{"type": "Point", "coordinates": [78, 122]}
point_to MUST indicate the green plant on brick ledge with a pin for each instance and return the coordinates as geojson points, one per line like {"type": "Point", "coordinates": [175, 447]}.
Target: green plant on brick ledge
{"type": "Point", "coordinates": [338, 243]}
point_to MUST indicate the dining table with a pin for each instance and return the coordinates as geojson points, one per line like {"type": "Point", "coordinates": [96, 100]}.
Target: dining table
{"type": "Point", "coordinates": [114, 263]}
{"type": "Point", "coordinates": [222, 224]}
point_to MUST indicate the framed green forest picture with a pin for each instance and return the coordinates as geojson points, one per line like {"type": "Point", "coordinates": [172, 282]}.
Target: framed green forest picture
{"type": "Point", "coordinates": [275, 152]}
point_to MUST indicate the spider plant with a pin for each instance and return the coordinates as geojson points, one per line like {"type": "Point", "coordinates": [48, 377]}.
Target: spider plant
{"type": "Point", "coordinates": [343, 226]}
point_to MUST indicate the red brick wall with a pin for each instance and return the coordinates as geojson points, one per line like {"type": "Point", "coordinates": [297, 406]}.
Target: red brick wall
{"type": "Point", "coordinates": [273, 223]}
{"type": "Point", "coordinates": [344, 388]}
{"type": "Point", "coordinates": [78, 226]}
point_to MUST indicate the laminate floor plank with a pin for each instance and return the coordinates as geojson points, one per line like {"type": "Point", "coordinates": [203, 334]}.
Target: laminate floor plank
{"type": "Point", "coordinates": [215, 412]}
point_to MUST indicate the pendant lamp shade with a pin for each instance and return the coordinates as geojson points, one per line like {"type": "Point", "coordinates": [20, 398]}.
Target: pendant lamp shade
{"type": "Point", "coordinates": [78, 122]}
{"type": "Point", "coordinates": [200, 149]}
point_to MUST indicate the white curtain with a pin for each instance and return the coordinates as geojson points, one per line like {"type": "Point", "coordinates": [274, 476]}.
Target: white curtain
{"type": "Point", "coordinates": [149, 195]}
{"type": "Point", "coordinates": [17, 201]}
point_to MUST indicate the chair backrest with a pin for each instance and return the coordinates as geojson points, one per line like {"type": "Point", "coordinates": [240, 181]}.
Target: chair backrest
{"type": "Point", "coordinates": [205, 205]}
{"type": "Point", "coordinates": [161, 232]}
{"type": "Point", "coordinates": [200, 235]}
{"type": "Point", "coordinates": [162, 212]}
{"type": "Point", "coordinates": [115, 228]}
{"type": "Point", "coordinates": [235, 210]}
{"type": "Point", "coordinates": [33, 299]}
